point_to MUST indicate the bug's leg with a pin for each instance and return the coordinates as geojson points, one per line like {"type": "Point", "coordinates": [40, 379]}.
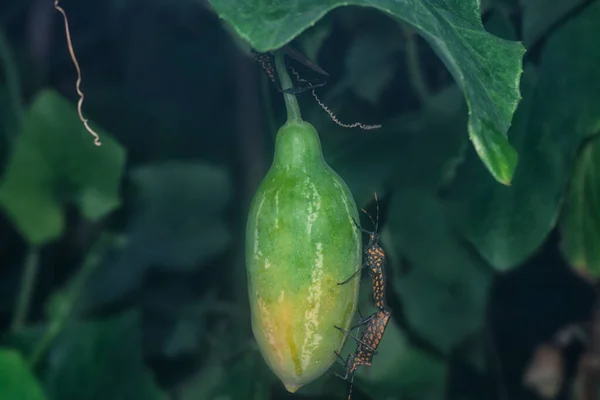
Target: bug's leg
{"type": "Point", "coordinates": [345, 377]}
{"type": "Point", "coordinates": [344, 363]}
{"type": "Point", "coordinates": [296, 55]}
{"type": "Point", "coordinates": [356, 339]}
{"type": "Point", "coordinates": [353, 275]}
{"type": "Point", "coordinates": [363, 322]}
{"type": "Point", "coordinates": [310, 86]}
{"type": "Point", "coordinates": [339, 358]}
{"type": "Point", "coordinates": [360, 228]}
{"type": "Point", "coordinates": [351, 385]}
{"type": "Point", "coordinates": [306, 85]}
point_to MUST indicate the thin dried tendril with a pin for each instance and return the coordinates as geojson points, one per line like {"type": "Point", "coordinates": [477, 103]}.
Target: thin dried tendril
{"type": "Point", "coordinates": [78, 84]}
{"type": "Point", "coordinates": [331, 114]}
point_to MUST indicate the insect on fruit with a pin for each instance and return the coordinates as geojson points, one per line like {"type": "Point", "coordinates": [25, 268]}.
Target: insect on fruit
{"type": "Point", "coordinates": [366, 346]}
{"type": "Point", "coordinates": [375, 262]}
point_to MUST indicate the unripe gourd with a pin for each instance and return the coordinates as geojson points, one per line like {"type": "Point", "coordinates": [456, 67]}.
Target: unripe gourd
{"type": "Point", "coordinates": [300, 242]}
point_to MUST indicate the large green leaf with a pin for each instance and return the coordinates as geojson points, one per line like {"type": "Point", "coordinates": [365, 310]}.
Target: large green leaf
{"type": "Point", "coordinates": [177, 224]}
{"type": "Point", "coordinates": [507, 224]}
{"type": "Point", "coordinates": [540, 15]}
{"type": "Point", "coordinates": [369, 66]}
{"type": "Point", "coordinates": [54, 161]}
{"type": "Point", "coordinates": [179, 219]}
{"type": "Point", "coordinates": [486, 67]}
{"type": "Point", "coordinates": [444, 292]}
{"type": "Point", "coordinates": [393, 155]}
{"type": "Point", "coordinates": [580, 219]}
{"type": "Point", "coordinates": [17, 382]}
{"type": "Point", "coordinates": [100, 360]}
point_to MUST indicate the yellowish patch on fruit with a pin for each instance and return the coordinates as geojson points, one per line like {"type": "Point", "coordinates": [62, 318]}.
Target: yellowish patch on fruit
{"type": "Point", "coordinates": [278, 328]}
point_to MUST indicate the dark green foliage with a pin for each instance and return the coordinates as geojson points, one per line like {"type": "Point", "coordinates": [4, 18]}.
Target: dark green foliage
{"type": "Point", "coordinates": [122, 266]}
{"type": "Point", "coordinates": [54, 162]}
{"type": "Point", "coordinates": [16, 379]}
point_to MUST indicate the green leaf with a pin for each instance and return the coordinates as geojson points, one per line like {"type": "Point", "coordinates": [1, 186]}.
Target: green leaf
{"type": "Point", "coordinates": [540, 15]}
{"type": "Point", "coordinates": [54, 162]}
{"type": "Point", "coordinates": [100, 360]}
{"type": "Point", "coordinates": [580, 219]}
{"type": "Point", "coordinates": [369, 66]}
{"type": "Point", "coordinates": [445, 290]}
{"type": "Point", "coordinates": [179, 218]}
{"type": "Point", "coordinates": [184, 338]}
{"type": "Point", "coordinates": [178, 223]}
{"type": "Point", "coordinates": [393, 155]}
{"type": "Point", "coordinates": [313, 39]}
{"type": "Point", "coordinates": [559, 109]}
{"type": "Point", "coordinates": [485, 67]}
{"type": "Point", "coordinates": [17, 382]}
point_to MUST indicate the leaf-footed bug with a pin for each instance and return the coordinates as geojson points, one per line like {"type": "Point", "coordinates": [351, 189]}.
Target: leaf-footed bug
{"type": "Point", "coordinates": [366, 346]}
{"type": "Point", "coordinates": [375, 261]}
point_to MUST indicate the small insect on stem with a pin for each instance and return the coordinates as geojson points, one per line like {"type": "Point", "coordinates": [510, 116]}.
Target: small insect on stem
{"type": "Point", "coordinates": [375, 261]}
{"type": "Point", "coordinates": [265, 60]}
{"type": "Point", "coordinates": [78, 84]}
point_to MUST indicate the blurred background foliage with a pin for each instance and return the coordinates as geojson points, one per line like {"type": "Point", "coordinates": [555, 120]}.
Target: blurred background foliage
{"type": "Point", "coordinates": [121, 267]}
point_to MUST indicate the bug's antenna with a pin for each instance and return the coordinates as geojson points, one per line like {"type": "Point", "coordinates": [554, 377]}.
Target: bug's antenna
{"type": "Point", "coordinates": [351, 385]}
{"type": "Point", "coordinates": [369, 215]}
{"type": "Point", "coordinates": [377, 204]}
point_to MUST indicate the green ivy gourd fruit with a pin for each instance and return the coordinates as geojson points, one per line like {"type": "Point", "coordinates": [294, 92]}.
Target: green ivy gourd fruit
{"type": "Point", "coordinates": [300, 242]}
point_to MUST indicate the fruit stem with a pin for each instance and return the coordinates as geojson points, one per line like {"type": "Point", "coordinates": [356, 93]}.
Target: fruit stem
{"type": "Point", "coordinates": [291, 104]}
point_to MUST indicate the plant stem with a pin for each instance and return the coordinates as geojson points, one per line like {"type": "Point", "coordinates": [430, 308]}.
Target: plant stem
{"type": "Point", "coordinates": [63, 301]}
{"type": "Point", "coordinates": [291, 104]}
{"type": "Point", "coordinates": [26, 291]}
{"type": "Point", "coordinates": [12, 83]}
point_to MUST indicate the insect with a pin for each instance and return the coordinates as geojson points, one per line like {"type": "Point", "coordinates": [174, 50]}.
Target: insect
{"type": "Point", "coordinates": [296, 55]}
{"type": "Point", "coordinates": [366, 346]}
{"type": "Point", "coordinates": [375, 262]}
{"type": "Point", "coordinates": [301, 85]}
{"type": "Point", "coordinates": [265, 60]}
